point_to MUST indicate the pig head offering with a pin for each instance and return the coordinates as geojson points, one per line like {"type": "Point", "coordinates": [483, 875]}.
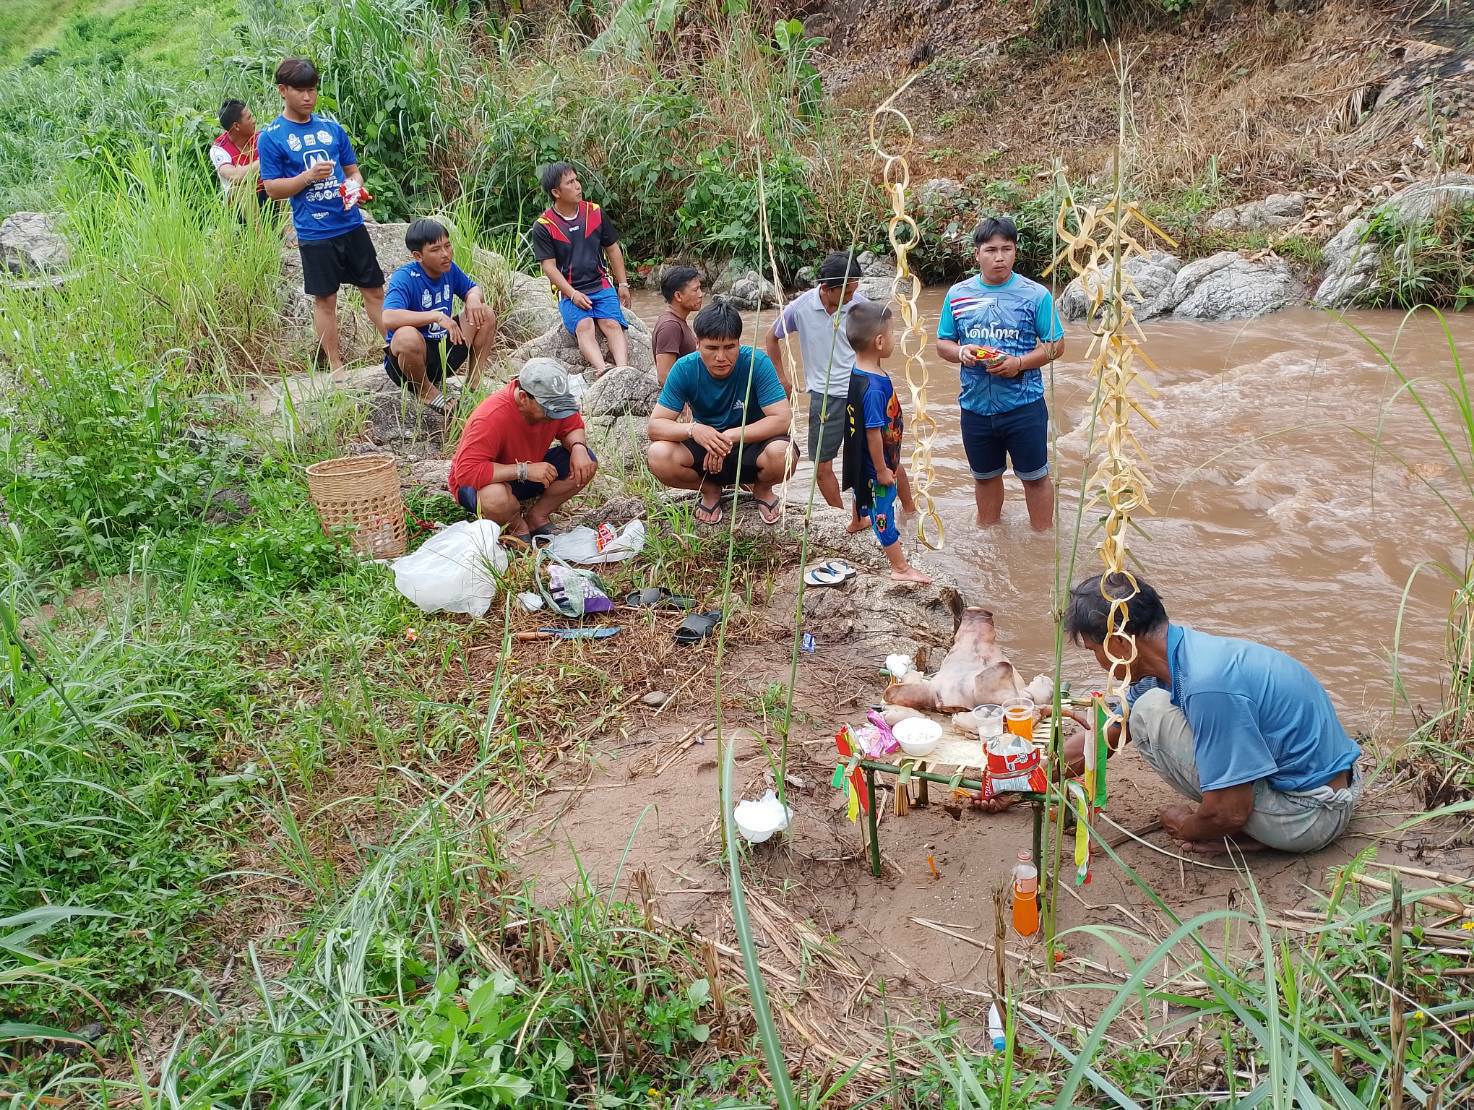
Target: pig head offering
{"type": "Point", "coordinates": [973, 673]}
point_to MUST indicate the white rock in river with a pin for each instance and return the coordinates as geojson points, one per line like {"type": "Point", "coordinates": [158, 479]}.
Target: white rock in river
{"type": "Point", "coordinates": [1228, 286]}
{"type": "Point", "coordinates": [1153, 275]}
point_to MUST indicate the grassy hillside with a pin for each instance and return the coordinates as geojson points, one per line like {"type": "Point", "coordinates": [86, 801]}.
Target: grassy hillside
{"type": "Point", "coordinates": [168, 33]}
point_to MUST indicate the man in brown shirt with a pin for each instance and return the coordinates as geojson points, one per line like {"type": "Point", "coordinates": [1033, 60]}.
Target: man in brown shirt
{"type": "Point", "coordinates": [671, 337]}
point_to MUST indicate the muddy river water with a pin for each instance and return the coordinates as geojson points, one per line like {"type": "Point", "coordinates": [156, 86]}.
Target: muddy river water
{"type": "Point", "coordinates": [1277, 517]}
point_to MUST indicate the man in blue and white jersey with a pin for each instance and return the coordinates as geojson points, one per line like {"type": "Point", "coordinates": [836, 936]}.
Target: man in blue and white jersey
{"type": "Point", "coordinates": [1001, 328]}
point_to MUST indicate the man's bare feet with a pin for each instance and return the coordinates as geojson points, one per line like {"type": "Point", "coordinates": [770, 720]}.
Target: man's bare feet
{"type": "Point", "coordinates": [911, 574]}
{"type": "Point", "coordinates": [856, 525]}
{"type": "Point", "coordinates": [1241, 843]}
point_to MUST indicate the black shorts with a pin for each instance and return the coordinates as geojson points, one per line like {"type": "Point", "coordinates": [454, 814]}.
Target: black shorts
{"type": "Point", "coordinates": [435, 370]}
{"type": "Point", "coordinates": [346, 259]}
{"type": "Point", "coordinates": [728, 474]}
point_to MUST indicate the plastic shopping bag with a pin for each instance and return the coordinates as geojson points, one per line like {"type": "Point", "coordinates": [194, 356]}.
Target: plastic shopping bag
{"type": "Point", "coordinates": [455, 570]}
{"type": "Point", "coordinates": [581, 545]}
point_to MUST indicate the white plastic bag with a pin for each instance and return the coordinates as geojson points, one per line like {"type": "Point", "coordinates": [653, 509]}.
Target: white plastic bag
{"type": "Point", "coordinates": [455, 569]}
{"type": "Point", "coordinates": [581, 545]}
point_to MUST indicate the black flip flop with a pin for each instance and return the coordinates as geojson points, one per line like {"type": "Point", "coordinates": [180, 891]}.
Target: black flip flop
{"type": "Point", "coordinates": [698, 626]}
{"type": "Point", "coordinates": [652, 597]}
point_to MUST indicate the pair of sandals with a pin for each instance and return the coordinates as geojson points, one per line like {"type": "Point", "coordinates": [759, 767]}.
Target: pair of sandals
{"type": "Point", "coordinates": [835, 572]}
{"type": "Point", "coordinates": [711, 513]}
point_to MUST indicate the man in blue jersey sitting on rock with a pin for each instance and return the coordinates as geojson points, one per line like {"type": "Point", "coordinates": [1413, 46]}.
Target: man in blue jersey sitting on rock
{"type": "Point", "coordinates": [1001, 328]}
{"type": "Point", "coordinates": [420, 318]}
{"type": "Point", "coordinates": [1242, 730]}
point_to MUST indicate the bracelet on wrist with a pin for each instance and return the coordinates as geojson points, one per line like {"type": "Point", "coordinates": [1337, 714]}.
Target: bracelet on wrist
{"type": "Point", "coordinates": [521, 472]}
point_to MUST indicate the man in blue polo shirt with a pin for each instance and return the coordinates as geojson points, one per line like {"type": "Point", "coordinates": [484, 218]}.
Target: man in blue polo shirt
{"type": "Point", "coordinates": [1240, 728]}
{"type": "Point", "coordinates": [1000, 327]}
{"type": "Point", "coordinates": [308, 158]}
{"type": "Point", "coordinates": [738, 430]}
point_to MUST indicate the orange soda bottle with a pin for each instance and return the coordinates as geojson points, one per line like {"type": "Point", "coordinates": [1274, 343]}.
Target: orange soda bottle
{"type": "Point", "coordinates": [1025, 896]}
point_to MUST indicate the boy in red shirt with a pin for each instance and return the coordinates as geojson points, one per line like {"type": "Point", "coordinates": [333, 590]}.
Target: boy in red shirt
{"type": "Point", "coordinates": [507, 456]}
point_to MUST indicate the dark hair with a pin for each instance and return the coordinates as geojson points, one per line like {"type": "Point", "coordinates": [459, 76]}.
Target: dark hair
{"type": "Point", "coordinates": [551, 175]}
{"type": "Point", "coordinates": [838, 268]}
{"type": "Point", "coordinates": [230, 113]}
{"type": "Point", "coordinates": [864, 321]}
{"type": "Point", "coordinates": [990, 227]}
{"type": "Point", "coordinates": [297, 73]}
{"type": "Point", "coordinates": [676, 279]}
{"type": "Point", "coordinates": [1088, 610]}
{"type": "Point", "coordinates": [718, 320]}
{"type": "Point", "coordinates": [423, 232]}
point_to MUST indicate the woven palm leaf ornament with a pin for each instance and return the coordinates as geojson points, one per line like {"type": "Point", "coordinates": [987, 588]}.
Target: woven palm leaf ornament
{"type": "Point", "coordinates": [906, 291]}
{"type": "Point", "coordinates": [1098, 242]}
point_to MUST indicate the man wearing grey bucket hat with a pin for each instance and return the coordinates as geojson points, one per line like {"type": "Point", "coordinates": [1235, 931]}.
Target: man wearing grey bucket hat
{"type": "Point", "coordinates": [508, 467]}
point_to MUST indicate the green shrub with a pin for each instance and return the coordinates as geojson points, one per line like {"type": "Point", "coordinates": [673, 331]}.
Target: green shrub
{"type": "Point", "coordinates": [1428, 262]}
{"type": "Point", "coordinates": [720, 214]}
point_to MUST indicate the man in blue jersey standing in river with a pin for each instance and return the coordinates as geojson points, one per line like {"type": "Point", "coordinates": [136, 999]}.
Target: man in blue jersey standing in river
{"type": "Point", "coordinates": [1001, 328]}
{"type": "Point", "coordinates": [308, 159]}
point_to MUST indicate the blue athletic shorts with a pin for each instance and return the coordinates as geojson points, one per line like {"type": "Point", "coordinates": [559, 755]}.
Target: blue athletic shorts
{"type": "Point", "coordinates": [603, 305]}
{"type": "Point", "coordinates": [882, 513]}
{"type": "Point", "coordinates": [526, 491]}
{"type": "Point", "coordinates": [1020, 435]}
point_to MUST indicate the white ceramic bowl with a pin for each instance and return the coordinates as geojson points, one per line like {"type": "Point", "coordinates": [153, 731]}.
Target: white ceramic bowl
{"type": "Point", "coordinates": [917, 735]}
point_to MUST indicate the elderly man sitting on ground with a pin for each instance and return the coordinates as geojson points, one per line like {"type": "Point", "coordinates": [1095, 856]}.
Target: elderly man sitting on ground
{"type": "Point", "coordinates": [1241, 729]}
{"type": "Point", "coordinates": [738, 429]}
{"type": "Point", "coordinates": [507, 468]}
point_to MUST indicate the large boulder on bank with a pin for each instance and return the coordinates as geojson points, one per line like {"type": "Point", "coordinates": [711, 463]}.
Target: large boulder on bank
{"type": "Point", "coordinates": [1153, 275]}
{"type": "Point", "coordinates": [1351, 266]}
{"type": "Point", "coordinates": [1228, 286]}
{"type": "Point", "coordinates": [389, 244]}
{"type": "Point", "coordinates": [1276, 211]}
{"type": "Point", "coordinates": [622, 391]}
{"type": "Point", "coordinates": [1424, 200]}
{"type": "Point", "coordinates": [558, 343]}
{"type": "Point", "coordinates": [31, 243]}
{"type": "Point", "coordinates": [531, 309]}
{"type": "Point", "coordinates": [752, 291]}
{"type": "Point", "coordinates": [1352, 260]}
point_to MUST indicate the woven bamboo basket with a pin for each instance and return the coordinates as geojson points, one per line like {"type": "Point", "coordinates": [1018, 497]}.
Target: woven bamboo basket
{"type": "Point", "coordinates": [361, 491]}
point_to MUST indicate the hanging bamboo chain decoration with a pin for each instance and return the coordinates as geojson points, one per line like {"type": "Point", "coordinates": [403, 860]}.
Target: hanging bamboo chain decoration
{"type": "Point", "coordinates": [906, 291]}
{"type": "Point", "coordinates": [1104, 239]}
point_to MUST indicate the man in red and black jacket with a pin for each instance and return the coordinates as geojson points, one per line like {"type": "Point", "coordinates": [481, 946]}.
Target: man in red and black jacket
{"type": "Point", "coordinates": [233, 153]}
{"type": "Point", "coordinates": [571, 239]}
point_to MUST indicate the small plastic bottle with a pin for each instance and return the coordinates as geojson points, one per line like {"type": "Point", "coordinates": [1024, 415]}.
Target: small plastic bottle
{"type": "Point", "coordinates": [1025, 896]}
{"type": "Point", "coordinates": [995, 1029]}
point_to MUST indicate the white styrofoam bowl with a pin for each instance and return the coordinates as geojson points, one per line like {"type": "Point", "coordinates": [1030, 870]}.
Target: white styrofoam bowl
{"type": "Point", "coordinates": [917, 735]}
{"type": "Point", "coordinates": [758, 821]}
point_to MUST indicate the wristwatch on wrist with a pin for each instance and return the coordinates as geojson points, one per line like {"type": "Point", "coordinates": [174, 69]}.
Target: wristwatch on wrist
{"type": "Point", "coordinates": [521, 472]}
{"type": "Point", "coordinates": [624, 285]}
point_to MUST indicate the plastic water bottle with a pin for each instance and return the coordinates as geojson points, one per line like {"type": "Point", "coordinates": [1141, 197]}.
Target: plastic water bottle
{"type": "Point", "coordinates": [1025, 896]}
{"type": "Point", "coordinates": [995, 1029]}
